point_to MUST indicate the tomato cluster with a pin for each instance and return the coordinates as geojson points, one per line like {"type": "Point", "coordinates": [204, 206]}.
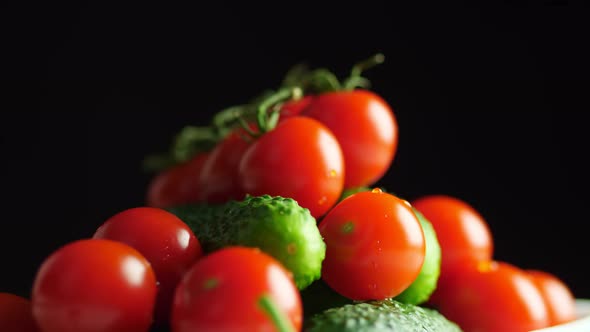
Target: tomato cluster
{"type": "Point", "coordinates": [324, 144]}
{"type": "Point", "coordinates": [483, 294]}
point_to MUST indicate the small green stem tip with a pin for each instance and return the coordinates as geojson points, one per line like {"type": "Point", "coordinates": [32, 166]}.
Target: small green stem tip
{"type": "Point", "coordinates": [279, 319]}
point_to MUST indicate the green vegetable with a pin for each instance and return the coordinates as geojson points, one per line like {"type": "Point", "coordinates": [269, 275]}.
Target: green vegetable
{"type": "Point", "coordinates": [425, 284]}
{"type": "Point", "coordinates": [278, 226]}
{"type": "Point", "coordinates": [380, 316]}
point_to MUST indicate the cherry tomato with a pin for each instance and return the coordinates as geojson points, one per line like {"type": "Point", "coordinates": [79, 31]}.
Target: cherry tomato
{"type": "Point", "coordinates": [164, 240]}
{"type": "Point", "coordinates": [94, 286]}
{"type": "Point", "coordinates": [365, 127]}
{"type": "Point", "coordinates": [559, 299]}
{"type": "Point", "coordinates": [16, 314]}
{"type": "Point", "coordinates": [300, 159]}
{"type": "Point", "coordinates": [375, 246]}
{"type": "Point", "coordinates": [177, 185]}
{"type": "Point", "coordinates": [231, 289]}
{"type": "Point", "coordinates": [493, 296]}
{"type": "Point", "coordinates": [295, 107]}
{"type": "Point", "coordinates": [462, 232]}
{"type": "Point", "coordinates": [219, 178]}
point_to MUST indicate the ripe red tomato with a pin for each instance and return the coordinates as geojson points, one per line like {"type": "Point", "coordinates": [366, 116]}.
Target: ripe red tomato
{"type": "Point", "coordinates": [462, 232]}
{"type": "Point", "coordinates": [94, 286]}
{"type": "Point", "coordinates": [300, 159]}
{"type": "Point", "coordinates": [375, 246]}
{"type": "Point", "coordinates": [16, 314]}
{"type": "Point", "coordinates": [229, 290]}
{"type": "Point", "coordinates": [218, 180]}
{"type": "Point", "coordinates": [295, 107]}
{"type": "Point", "coordinates": [493, 296]}
{"type": "Point", "coordinates": [365, 127]}
{"type": "Point", "coordinates": [164, 240]}
{"type": "Point", "coordinates": [177, 185]}
{"type": "Point", "coordinates": [559, 299]}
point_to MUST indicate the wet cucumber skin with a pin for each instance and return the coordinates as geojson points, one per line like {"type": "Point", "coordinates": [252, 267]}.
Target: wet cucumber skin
{"type": "Point", "coordinates": [276, 225]}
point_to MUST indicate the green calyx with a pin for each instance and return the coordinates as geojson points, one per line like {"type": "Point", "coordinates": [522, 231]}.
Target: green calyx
{"type": "Point", "coordinates": [260, 114]}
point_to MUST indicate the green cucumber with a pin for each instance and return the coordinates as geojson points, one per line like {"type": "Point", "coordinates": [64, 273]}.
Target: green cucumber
{"type": "Point", "coordinates": [380, 316]}
{"type": "Point", "coordinates": [276, 225]}
{"type": "Point", "coordinates": [425, 284]}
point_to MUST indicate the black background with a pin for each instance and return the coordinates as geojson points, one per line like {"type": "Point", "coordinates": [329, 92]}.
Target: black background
{"type": "Point", "coordinates": [490, 101]}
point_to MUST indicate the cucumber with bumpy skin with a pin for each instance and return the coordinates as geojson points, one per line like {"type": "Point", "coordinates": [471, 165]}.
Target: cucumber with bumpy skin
{"type": "Point", "coordinates": [276, 225]}
{"type": "Point", "coordinates": [380, 316]}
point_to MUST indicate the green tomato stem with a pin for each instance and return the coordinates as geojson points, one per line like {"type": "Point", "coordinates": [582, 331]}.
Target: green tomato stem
{"type": "Point", "coordinates": [270, 308]}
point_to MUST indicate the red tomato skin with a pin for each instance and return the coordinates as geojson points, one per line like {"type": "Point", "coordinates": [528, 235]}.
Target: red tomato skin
{"type": "Point", "coordinates": [463, 234]}
{"type": "Point", "coordinates": [295, 107]}
{"type": "Point", "coordinates": [375, 246]}
{"type": "Point", "coordinates": [94, 286]}
{"type": "Point", "coordinates": [222, 290]}
{"type": "Point", "coordinates": [16, 314]}
{"type": "Point", "coordinates": [559, 299]}
{"type": "Point", "coordinates": [164, 240]}
{"type": "Point", "coordinates": [177, 185]}
{"type": "Point", "coordinates": [301, 159]}
{"type": "Point", "coordinates": [219, 177]}
{"type": "Point", "coordinates": [366, 128]}
{"type": "Point", "coordinates": [493, 296]}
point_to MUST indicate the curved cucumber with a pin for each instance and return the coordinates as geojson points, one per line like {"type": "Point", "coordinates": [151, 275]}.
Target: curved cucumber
{"type": "Point", "coordinates": [380, 316]}
{"type": "Point", "coordinates": [276, 225]}
{"type": "Point", "coordinates": [425, 284]}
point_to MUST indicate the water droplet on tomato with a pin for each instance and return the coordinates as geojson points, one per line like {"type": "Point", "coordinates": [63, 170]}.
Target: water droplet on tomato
{"type": "Point", "coordinates": [333, 173]}
{"type": "Point", "coordinates": [377, 191]}
{"type": "Point", "coordinates": [322, 200]}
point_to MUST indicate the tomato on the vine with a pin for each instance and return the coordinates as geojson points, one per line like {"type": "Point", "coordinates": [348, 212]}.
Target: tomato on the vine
{"type": "Point", "coordinates": [237, 289]}
{"type": "Point", "coordinates": [375, 246]}
{"type": "Point", "coordinates": [218, 180]}
{"type": "Point", "coordinates": [300, 159]}
{"type": "Point", "coordinates": [559, 299]}
{"type": "Point", "coordinates": [94, 285]}
{"type": "Point", "coordinates": [163, 239]}
{"type": "Point", "coordinates": [366, 128]}
{"type": "Point", "coordinates": [177, 185]}
{"type": "Point", "coordinates": [295, 107]}
{"type": "Point", "coordinates": [493, 296]}
{"type": "Point", "coordinates": [16, 314]}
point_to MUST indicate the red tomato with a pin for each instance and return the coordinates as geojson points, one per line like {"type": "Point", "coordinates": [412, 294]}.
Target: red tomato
{"type": "Point", "coordinates": [219, 178]}
{"type": "Point", "coordinates": [375, 246]}
{"type": "Point", "coordinates": [491, 297]}
{"type": "Point", "coordinates": [227, 290]}
{"type": "Point", "coordinates": [177, 185]}
{"type": "Point", "coordinates": [164, 240]}
{"type": "Point", "coordinates": [365, 127]}
{"type": "Point", "coordinates": [462, 232]}
{"type": "Point", "coordinates": [299, 159]}
{"type": "Point", "coordinates": [559, 300]}
{"type": "Point", "coordinates": [295, 107]}
{"type": "Point", "coordinates": [16, 314]}
{"type": "Point", "coordinates": [94, 286]}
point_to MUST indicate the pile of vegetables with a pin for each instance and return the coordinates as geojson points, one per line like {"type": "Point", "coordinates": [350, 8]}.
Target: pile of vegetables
{"type": "Point", "coordinates": [269, 218]}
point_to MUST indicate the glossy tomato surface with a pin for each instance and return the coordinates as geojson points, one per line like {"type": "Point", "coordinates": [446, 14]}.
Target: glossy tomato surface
{"type": "Point", "coordinates": [224, 291]}
{"type": "Point", "coordinates": [177, 185]}
{"type": "Point", "coordinates": [463, 234]}
{"type": "Point", "coordinates": [560, 302]}
{"type": "Point", "coordinates": [366, 128]}
{"type": "Point", "coordinates": [164, 240]}
{"type": "Point", "coordinates": [300, 159]}
{"type": "Point", "coordinates": [492, 297]}
{"type": "Point", "coordinates": [375, 246]}
{"type": "Point", "coordinates": [218, 180]}
{"type": "Point", "coordinates": [16, 314]}
{"type": "Point", "coordinates": [94, 286]}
